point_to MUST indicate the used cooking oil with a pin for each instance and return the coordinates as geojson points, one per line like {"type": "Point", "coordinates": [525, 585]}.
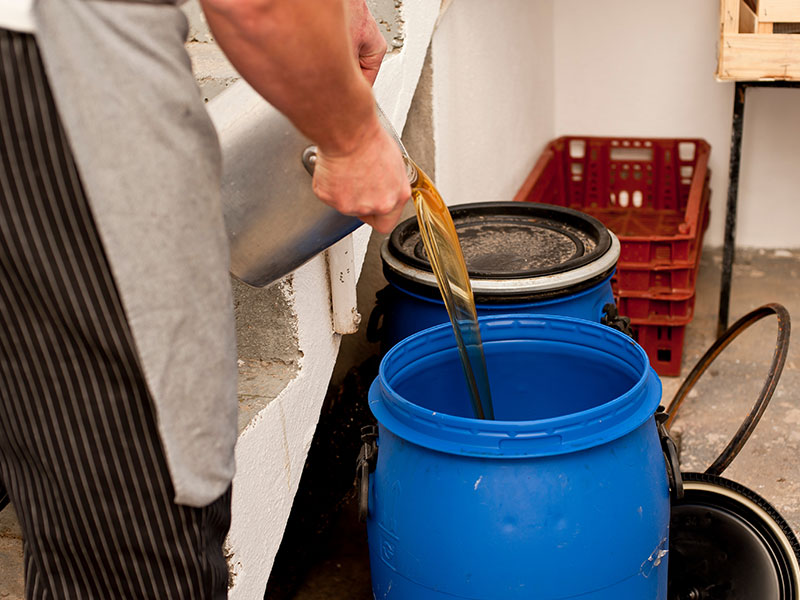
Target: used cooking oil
{"type": "Point", "coordinates": [441, 244]}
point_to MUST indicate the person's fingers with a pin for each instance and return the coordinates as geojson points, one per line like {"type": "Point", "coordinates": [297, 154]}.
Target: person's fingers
{"type": "Point", "coordinates": [372, 51]}
{"type": "Point", "coordinates": [368, 43]}
{"type": "Point", "coordinates": [385, 223]}
{"type": "Point", "coordinates": [370, 66]}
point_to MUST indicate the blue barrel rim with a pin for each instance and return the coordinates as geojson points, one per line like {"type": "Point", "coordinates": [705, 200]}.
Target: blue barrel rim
{"type": "Point", "coordinates": [515, 439]}
{"type": "Point", "coordinates": [510, 303]}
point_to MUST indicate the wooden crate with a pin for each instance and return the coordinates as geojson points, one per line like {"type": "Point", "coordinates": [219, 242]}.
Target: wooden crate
{"type": "Point", "coordinates": [754, 43]}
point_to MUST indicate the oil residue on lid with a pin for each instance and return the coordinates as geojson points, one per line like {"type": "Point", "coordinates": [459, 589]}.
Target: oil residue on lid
{"type": "Point", "coordinates": [512, 240]}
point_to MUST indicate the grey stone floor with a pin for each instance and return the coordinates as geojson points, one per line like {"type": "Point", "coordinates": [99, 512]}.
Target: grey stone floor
{"type": "Point", "coordinates": [708, 418]}
{"type": "Point", "coordinates": [768, 463]}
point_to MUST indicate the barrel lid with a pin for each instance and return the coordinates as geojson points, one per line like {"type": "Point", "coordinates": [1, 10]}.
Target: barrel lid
{"type": "Point", "coordinates": [511, 248]}
{"type": "Point", "coordinates": [726, 541]}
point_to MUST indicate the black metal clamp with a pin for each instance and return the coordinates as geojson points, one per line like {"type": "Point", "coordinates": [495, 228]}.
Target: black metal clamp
{"type": "Point", "coordinates": [367, 459]}
{"type": "Point", "coordinates": [612, 318]}
{"type": "Point", "coordinates": [375, 322]}
{"type": "Point", "coordinates": [671, 458]}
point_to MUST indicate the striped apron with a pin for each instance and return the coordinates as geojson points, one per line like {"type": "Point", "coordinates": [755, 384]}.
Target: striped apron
{"type": "Point", "coordinates": [80, 452]}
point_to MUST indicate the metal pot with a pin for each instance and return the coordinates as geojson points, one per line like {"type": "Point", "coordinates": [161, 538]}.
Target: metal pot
{"type": "Point", "coordinates": [274, 221]}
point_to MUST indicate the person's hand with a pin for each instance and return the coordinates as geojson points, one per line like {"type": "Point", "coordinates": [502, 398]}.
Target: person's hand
{"type": "Point", "coordinates": [315, 62]}
{"type": "Point", "coordinates": [369, 182]}
{"type": "Point", "coordinates": [368, 43]}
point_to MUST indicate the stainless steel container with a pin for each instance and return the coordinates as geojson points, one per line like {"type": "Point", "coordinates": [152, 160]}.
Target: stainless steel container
{"type": "Point", "coordinates": [274, 221]}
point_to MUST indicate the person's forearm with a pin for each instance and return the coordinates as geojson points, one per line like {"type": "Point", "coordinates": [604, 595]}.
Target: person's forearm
{"type": "Point", "coordinates": [297, 55]}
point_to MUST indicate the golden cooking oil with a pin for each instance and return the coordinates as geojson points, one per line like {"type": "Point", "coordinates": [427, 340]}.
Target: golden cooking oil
{"type": "Point", "coordinates": [444, 253]}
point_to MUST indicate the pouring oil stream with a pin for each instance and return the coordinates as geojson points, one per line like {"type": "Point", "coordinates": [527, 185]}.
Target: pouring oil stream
{"type": "Point", "coordinates": [441, 244]}
{"type": "Point", "coordinates": [444, 253]}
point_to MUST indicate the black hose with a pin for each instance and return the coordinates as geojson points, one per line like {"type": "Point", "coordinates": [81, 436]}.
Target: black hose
{"type": "Point", "coordinates": [776, 368]}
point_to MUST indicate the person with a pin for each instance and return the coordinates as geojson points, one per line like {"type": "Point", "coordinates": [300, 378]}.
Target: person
{"type": "Point", "coordinates": [117, 354]}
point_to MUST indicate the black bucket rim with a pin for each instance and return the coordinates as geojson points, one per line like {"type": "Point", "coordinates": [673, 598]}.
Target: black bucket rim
{"type": "Point", "coordinates": [583, 222]}
{"type": "Point", "coordinates": [752, 518]}
{"type": "Point", "coordinates": [592, 268]}
{"type": "Point", "coordinates": [507, 291]}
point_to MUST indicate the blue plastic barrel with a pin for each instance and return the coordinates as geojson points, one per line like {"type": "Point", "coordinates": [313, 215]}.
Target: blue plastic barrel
{"type": "Point", "coordinates": [407, 312]}
{"type": "Point", "coordinates": [522, 257]}
{"type": "Point", "coordinates": [565, 495]}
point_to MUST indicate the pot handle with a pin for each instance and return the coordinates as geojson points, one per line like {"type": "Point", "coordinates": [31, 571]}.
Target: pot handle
{"type": "Point", "coordinates": [309, 156]}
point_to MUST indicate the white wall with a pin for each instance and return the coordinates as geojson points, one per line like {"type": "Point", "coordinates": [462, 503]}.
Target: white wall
{"type": "Point", "coordinates": [647, 69]}
{"type": "Point", "coordinates": [492, 96]}
{"type": "Point", "coordinates": [769, 189]}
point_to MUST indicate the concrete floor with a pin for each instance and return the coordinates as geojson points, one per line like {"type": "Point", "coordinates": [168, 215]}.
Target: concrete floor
{"type": "Point", "coordinates": [708, 418]}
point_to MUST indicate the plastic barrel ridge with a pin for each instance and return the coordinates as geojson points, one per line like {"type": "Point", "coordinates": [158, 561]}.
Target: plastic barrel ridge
{"type": "Point", "coordinates": [522, 258]}
{"type": "Point", "coordinates": [565, 495]}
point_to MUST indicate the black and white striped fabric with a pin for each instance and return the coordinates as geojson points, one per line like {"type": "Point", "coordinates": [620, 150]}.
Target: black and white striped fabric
{"type": "Point", "coordinates": [79, 450]}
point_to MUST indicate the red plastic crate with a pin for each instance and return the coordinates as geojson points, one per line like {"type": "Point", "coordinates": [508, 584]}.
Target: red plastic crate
{"type": "Point", "coordinates": [659, 263]}
{"type": "Point", "coordinates": [664, 281]}
{"type": "Point", "coordinates": [654, 195]}
{"type": "Point", "coordinates": [651, 192]}
{"type": "Point", "coordinates": [663, 343]}
{"type": "Point", "coordinates": [659, 300]}
{"type": "Point", "coordinates": [656, 307]}
{"type": "Point", "coordinates": [660, 279]}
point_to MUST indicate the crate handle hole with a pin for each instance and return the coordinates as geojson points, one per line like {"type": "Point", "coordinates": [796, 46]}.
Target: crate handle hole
{"type": "Point", "coordinates": [687, 171]}
{"type": "Point", "coordinates": [623, 198]}
{"type": "Point", "coordinates": [613, 199]}
{"type": "Point", "coordinates": [637, 199]}
{"type": "Point", "coordinates": [631, 154]}
{"type": "Point", "coordinates": [577, 148]}
{"type": "Point", "coordinates": [664, 355]}
{"type": "Point", "coordinates": [686, 150]}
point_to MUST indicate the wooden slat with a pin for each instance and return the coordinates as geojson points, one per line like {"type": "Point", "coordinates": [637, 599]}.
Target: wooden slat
{"type": "Point", "coordinates": [779, 11]}
{"type": "Point", "coordinates": [752, 57]}
{"type": "Point", "coordinates": [729, 9]}
{"type": "Point", "coordinates": [747, 18]}
{"type": "Point", "coordinates": [764, 27]}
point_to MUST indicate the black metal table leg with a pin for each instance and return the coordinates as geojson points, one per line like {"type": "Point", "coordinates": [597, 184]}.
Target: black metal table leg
{"type": "Point", "coordinates": [730, 211]}
{"type": "Point", "coordinates": [733, 192]}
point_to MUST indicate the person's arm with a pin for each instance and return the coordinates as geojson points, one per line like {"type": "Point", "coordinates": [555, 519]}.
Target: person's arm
{"type": "Point", "coordinates": [299, 55]}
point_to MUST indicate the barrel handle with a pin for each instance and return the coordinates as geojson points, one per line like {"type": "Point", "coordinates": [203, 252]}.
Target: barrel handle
{"type": "Point", "coordinates": [776, 368]}
{"type": "Point", "coordinates": [4, 500]}
{"type": "Point", "coordinates": [671, 458]}
{"type": "Point", "coordinates": [375, 322]}
{"type": "Point", "coordinates": [612, 318]}
{"type": "Point", "coordinates": [367, 459]}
